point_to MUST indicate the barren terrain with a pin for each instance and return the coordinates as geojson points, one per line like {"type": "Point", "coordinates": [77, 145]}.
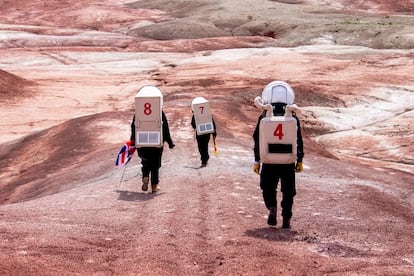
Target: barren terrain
{"type": "Point", "coordinates": [69, 71]}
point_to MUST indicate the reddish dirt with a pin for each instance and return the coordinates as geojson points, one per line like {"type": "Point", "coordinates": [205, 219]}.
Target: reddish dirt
{"type": "Point", "coordinates": [69, 74]}
{"type": "Point", "coordinates": [385, 6]}
{"type": "Point", "coordinates": [12, 87]}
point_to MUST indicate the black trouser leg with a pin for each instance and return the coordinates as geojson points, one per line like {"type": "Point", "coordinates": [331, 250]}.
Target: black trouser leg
{"type": "Point", "coordinates": [146, 168]}
{"type": "Point", "coordinates": [288, 189]}
{"type": "Point", "coordinates": [268, 184]}
{"type": "Point", "coordinates": [155, 166]}
{"type": "Point", "coordinates": [151, 163]}
{"type": "Point", "coordinates": [202, 143]}
{"type": "Point", "coordinates": [155, 176]}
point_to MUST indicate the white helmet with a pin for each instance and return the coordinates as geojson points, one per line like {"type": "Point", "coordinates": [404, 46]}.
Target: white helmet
{"type": "Point", "coordinates": [150, 91]}
{"type": "Point", "coordinates": [278, 92]}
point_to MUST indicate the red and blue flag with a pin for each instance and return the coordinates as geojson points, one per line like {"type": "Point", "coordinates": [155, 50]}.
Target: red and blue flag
{"type": "Point", "coordinates": [125, 154]}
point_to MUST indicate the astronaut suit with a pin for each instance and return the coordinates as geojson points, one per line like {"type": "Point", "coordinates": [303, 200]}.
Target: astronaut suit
{"type": "Point", "coordinates": [276, 161]}
{"type": "Point", "coordinates": [202, 142]}
{"type": "Point", "coordinates": [202, 121]}
{"type": "Point", "coordinates": [149, 104]}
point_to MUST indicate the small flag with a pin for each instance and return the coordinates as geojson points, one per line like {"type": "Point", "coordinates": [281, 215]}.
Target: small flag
{"type": "Point", "coordinates": [125, 154]}
{"type": "Point", "coordinates": [215, 146]}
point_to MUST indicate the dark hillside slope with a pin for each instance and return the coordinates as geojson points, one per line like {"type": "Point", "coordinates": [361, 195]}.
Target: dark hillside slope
{"type": "Point", "coordinates": [55, 159]}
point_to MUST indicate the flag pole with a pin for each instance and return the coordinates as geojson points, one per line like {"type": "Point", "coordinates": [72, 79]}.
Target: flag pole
{"type": "Point", "coordinates": [123, 172]}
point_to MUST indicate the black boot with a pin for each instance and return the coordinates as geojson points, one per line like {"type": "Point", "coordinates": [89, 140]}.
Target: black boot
{"type": "Point", "coordinates": [286, 223]}
{"type": "Point", "coordinates": [271, 220]}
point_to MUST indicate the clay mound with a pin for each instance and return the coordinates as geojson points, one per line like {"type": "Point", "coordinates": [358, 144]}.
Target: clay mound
{"type": "Point", "coordinates": [388, 6]}
{"type": "Point", "coordinates": [178, 9]}
{"type": "Point", "coordinates": [290, 28]}
{"type": "Point", "coordinates": [54, 160]}
{"type": "Point", "coordinates": [272, 28]}
{"type": "Point", "coordinates": [12, 86]}
{"type": "Point", "coordinates": [182, 28]}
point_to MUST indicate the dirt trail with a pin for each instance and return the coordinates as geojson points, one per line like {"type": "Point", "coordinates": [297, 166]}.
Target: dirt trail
{"type": "Point", "coordinates": [212, 221]}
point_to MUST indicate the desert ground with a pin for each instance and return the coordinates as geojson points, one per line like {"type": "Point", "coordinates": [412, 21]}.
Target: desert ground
{"type": "Point", "coordinates": [69, 71]}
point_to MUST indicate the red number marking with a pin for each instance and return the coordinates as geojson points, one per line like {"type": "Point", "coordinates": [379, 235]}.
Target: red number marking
{"type": "Point", "coordinates": [147, 109]}
{"type": "Point", "coordinates": [202, 109]}
{"type": "Point", "coordinates": [278, 131]}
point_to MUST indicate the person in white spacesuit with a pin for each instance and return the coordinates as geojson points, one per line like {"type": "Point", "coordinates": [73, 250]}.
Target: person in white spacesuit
{"type": "Point", "coordinates": [278, 148]}
{"type": "Point", "coordinates": [203, 123]}
{"type": "Point", "coordinates": [149, 132]}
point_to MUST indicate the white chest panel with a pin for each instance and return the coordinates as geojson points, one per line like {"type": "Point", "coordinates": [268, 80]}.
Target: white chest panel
{"type": "Point", "coordinates": [278, 140]}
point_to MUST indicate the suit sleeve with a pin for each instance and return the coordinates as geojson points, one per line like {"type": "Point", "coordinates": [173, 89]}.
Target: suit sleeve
{"type": "Point", "coordinates": [256, 149]}
{"type": "Point", "coordinates": [193, 124]}
{"type": "Point", "coordinates": [132, 138]}
{"type": "Point", "coordinates": [166, 130]}
{"type": "Point", "coordinates": [300, 153]}
{"type": "Point", "coordinates": [215, 130]}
